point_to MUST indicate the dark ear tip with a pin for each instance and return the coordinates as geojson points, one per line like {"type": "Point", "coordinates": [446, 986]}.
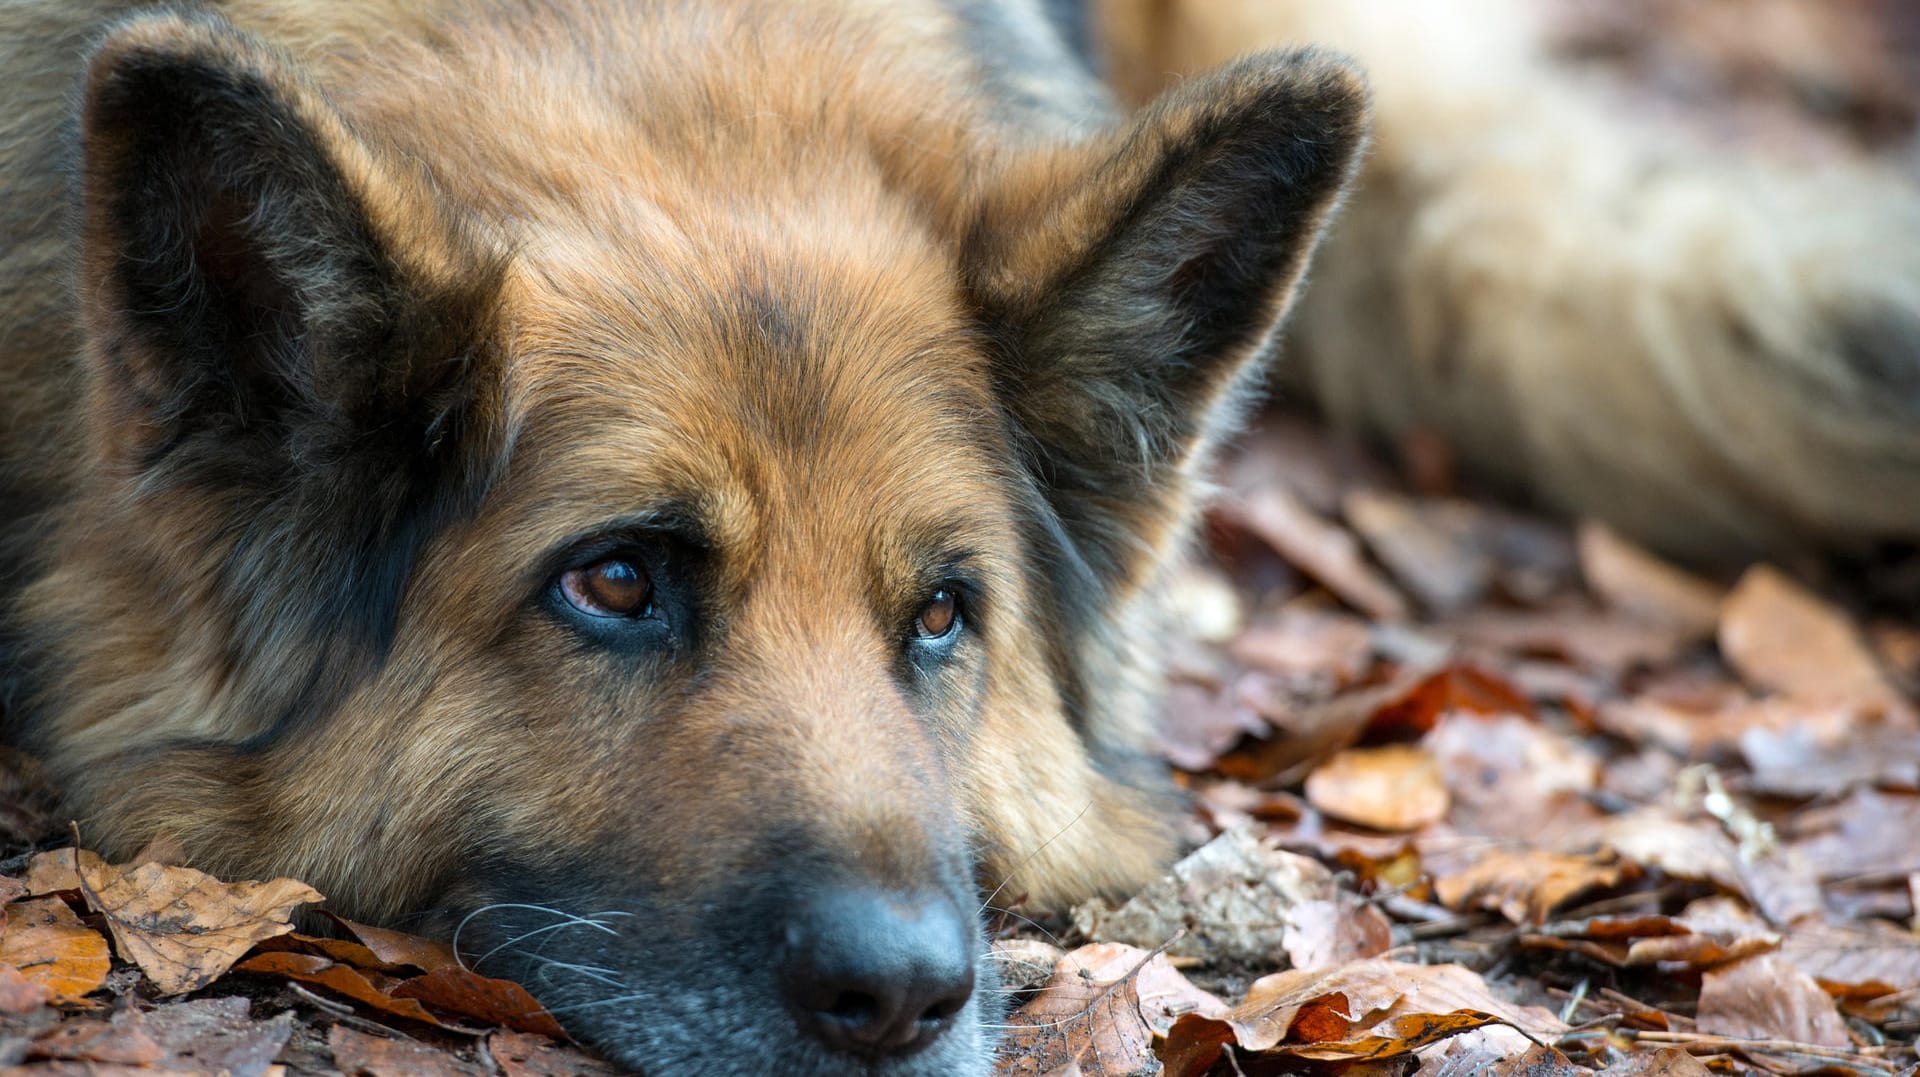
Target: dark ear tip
{"type": "Point", "coordinates": [1313, 81]}
{"type": "Point", "coordinates": [151, 51]}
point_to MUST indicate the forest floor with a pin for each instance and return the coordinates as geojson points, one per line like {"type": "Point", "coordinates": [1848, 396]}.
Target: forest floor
{"type": "Point", "coordinates": [1471, 791]}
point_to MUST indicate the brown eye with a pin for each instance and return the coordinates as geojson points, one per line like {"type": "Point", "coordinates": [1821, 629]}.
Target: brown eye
{"type": "Point", "coordinates": [938, 616]}
{"type": "Point", "coordinates": [615, 587]}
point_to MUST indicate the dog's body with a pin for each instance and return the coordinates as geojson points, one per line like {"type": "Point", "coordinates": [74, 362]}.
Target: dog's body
{"type": "Point", "coordinates": [667, 485]}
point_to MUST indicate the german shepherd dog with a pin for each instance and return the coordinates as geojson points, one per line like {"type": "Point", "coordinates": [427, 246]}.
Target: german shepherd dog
{"type": "Point", "coordinates": [674, 487]}
{"type": "Point", "coordinates": [674, 492]}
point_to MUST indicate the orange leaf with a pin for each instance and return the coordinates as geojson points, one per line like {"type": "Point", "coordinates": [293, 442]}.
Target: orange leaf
{"type": "Point", "coordinates": [340, 979]}
{"type": "Point", "coordinates": [1392, 787]}
{"type": "Point", "coordinates": [51, 947]}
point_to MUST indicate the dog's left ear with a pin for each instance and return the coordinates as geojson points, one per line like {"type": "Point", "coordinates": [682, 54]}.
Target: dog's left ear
{"type": "Point", "coordinates": [1137, 283]}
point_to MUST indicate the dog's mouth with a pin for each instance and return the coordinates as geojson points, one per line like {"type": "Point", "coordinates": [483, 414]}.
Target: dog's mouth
{"type": "Point", "coordinates": [843, 981]}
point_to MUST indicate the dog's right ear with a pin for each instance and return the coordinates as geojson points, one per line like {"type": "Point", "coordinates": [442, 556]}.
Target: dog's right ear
{"type": "Point", "coordinates": [252, 272]}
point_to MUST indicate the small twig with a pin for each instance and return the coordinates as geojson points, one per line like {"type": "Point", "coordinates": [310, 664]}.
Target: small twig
{"type": "Point", "coordinates": [1573, 1003]}
{"type": "Point", "coordinates": [1868, 1058]}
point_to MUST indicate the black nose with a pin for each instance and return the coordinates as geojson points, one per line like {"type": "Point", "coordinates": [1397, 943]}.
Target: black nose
{"type": "Point", "coordinates": [877, 973]}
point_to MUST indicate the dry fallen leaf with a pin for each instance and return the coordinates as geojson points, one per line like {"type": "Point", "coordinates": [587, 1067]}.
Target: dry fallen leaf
{"type": "Point", "coordinates": [370, 989]}
{"type": "Point", "coordinates": [19, 994]}
{"type": "Point", "coordinates": [1085, 1022]}
{"type": "Point", "coordinates": [400, 948]}
{"type": "Point", "coordinates": [51, 947]}
{"type": "Point", "coordinates": [1233, 899]}
{"type": "Point", "coordinates": [1320, 548]}
{"type": "Point", "coordinates": [494, 1002]}
{"type": "Point", "coordinates": [52, 872]}
{"type": "Point", "coordinates": [1785, 638]}
{"type": "Point", "coordinates": [1870, 833]}
{"type": "Point", "coordinates": [1392, 787]}
{"type": "Point", "coordinates": [122, 1041]}
{"type": "Point", "coordinates": [218, 1035]}
{"type": "Point", "coordinates": [1635, 582]}
{"type": "Point", "coordinates": [1768, 998]}
{"type": "Point", "coordinates": [1864, 960]}
{"type": "Point", "coordinates": [521, 1054]}
{"type": "Point", "coordinates": [360, 1055]}
{"type": "Point", "coordinates": [1524, 884]}
{"type": "Point", "coordinates": [1362, 1010]}
{"type": "Point", "coordinates": [184, 928]}
{"type": "Point", "coordinates": [1436, 549]}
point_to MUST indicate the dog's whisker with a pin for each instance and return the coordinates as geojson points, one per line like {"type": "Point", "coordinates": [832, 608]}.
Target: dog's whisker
{"type": "Point", "coordinates": [1024, 861]}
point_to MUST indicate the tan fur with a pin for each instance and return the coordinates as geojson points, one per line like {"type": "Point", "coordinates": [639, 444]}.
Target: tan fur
{"type": "Point", "coordinates": [1712, 350]}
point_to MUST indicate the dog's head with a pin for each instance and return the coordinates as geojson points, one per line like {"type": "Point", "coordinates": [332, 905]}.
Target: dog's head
{"type": "Point", "coordinates": [696, 585]}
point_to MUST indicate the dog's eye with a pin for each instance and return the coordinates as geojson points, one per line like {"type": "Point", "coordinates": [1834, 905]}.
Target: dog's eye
{"type": "Point", "coordinates": [939, 617]}
{"type": "Point", "coordinates": [614, 587]}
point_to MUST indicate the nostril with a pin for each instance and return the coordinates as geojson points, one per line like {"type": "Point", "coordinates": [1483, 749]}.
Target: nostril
{"type": "Point", "coordinates": [853, 1006]}
{"type": "Point", "coordinates": [946, 1007]}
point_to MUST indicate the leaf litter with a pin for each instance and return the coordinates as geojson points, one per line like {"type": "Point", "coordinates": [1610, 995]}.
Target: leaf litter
{"type": "Point", "coordinates": [1579, 811]}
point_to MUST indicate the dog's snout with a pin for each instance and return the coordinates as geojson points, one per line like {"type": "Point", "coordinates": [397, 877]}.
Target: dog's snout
{"type": "Point", "coordinates": [878, 973]}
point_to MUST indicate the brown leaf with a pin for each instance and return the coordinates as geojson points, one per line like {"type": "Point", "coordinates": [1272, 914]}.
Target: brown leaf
{"type": "Point", "coordinates": [1635, 582]}
{"type": "Point", "coordinates": [1302, 641]}
{"type": "Point", "coordinates": [1511, 777]}
{"type": "Point", "coordinates": [1332, 1004]}
{"type": "Point", "coordinates": [1320, 548]}
{"type": "Point", "coordinates": [51, 947]}
{"type": "Point", "coordinates": [1768, 998]}
{"type": "Point", "coordinates": [1689, 849]}
{"type": "Point", "coordinates": [1870, 833]}
{"type": "Point", "coordinates": [521, 1054]}
{"type": "Point", "coordinates": [52, 872]}
{"type": "Point", "coordinates": [1085, 1022]}
{"type": "Point", "coordinates": [1392, 787]}
{"type": "Point", "coordinates": [400, 948]}
{"type": "Point", "coordinates": [360, 1055]}
{"type": "Point", "coordinates": [1867, 959]}
{"type": "Point", "coordinates": [1802, 760]}
{"type": "Point", "coordinates": [121, 1041]}
{"type": "Point", "coordinates": [1201, 722]}
{"type": "Point", "coordinates": [1783, 637]}
{"type": "Point", "coordinates": [1437, 549]}
{"type": "Point", "coordinates": [1596, 640]}
{"type": "Point", "coordinates": [184, 928]}
{"type": "Point", "coordinates": [1392, 1038]}
{"type": "Point", "coordinates": [345, 951]}
{"type": "Point", "coordinates": [1524, 884]}
{"type": "Point", "coordinates": [494, 1002]}
{"type": "Point", "coordinates": [218, 1035]}
{"type": "Point", "coordinates": [19, 994]}
{"type": "Point", "coordinates": [367, 988]}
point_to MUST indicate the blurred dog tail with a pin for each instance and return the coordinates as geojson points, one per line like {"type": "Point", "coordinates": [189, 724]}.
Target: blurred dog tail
{"type": "Point", "coordinates": [1716, 352]}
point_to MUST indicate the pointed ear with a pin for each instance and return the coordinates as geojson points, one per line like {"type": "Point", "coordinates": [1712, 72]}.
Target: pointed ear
{"type": "Point", "coordinates": [282, 320]}
{"type": "Point", "coordinates": [252, 274]}
{"type": "Point", "coordinates": [1138, 283]}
